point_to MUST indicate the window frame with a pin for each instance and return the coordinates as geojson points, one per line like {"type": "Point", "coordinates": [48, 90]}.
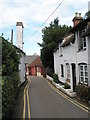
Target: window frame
{"type": "Point", "coordinates": [83, 38]}
{"type": "Point", "coordinates": [68, 70]}
{"type": "Point", "coordinates": [82, 73]}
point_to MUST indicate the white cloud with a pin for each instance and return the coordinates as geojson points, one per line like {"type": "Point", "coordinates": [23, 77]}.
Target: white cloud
{"type": "Point", "coordinates": [34, 12]}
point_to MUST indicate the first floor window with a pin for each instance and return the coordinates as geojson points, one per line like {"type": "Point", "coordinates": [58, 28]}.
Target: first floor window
{"type": "Point", "coordinates": [83, 73]}
{"type": "Point", "coordinates": [84, 42]}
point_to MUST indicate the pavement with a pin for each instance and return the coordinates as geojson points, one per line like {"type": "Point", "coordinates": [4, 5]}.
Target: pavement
{"type": "Point", "coordinates": [39, 99]}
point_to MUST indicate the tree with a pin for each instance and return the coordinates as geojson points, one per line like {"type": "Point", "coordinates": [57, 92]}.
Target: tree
{"type": "Point", "coordinates": [10, 58]}
{"type": "Point", "coordinates": [87, 15]}
{"type": "Point", "coordinates": [52, 35]}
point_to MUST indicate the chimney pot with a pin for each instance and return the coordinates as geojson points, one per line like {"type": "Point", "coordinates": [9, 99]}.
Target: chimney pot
{"type": "Point", "coordinates": [77, 19]}
{"type": "Point", "coordinates": [79, 14]}
{"type": "Point", "coordinates": [76, 14]}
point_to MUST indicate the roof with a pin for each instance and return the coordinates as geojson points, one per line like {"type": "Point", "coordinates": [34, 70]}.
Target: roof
{"type": "Point", "coordinates": [87, 31]}
{"type": "Point", "coordinates": [36, 62]}
{"type": "Point", "coordinates": [80, 25]}
{"type": "Point", "coordinates": [69, 38]}
{"type": "Point", "coordinates": [30, 58]}
{"type": "Point", "coordinates": [19, 24]}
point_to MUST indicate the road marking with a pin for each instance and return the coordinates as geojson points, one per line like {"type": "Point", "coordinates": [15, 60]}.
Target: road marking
{"type": "Point", "coordinates": [24, 103]}
{"type": "Point", "coordinates": [69, 99]}
{"type": "Point", "coordinates": [26, 95]}
{"type": "Point", "coordinates": [28, 104]}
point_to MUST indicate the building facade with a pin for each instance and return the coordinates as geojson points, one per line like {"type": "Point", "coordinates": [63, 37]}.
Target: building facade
{"type": "Point", "coordinates": [35, 66]}
{"type": "Point", "coordinates": [72, 58]}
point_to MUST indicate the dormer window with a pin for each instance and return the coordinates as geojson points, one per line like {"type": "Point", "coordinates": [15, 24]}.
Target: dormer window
{"type": "Point", "coordinates": [82, 40]}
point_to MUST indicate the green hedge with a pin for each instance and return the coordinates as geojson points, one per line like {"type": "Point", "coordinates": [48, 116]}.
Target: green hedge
{"type": "Point", "coordinates": [10, 76]}
{"type": "Point", "coordinates": [55, 78]}
{"type": "Point", "coordinates": [83, 92]}
{"type": "Point", "coordinates": [9, 93]}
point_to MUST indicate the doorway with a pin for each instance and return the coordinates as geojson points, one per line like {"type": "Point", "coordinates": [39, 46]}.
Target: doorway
{"type": "Point", "coordinates": [74, 75]}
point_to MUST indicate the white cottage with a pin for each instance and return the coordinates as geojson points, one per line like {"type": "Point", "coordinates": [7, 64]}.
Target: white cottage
{"type": "Point", "coordinates": [72, 59]}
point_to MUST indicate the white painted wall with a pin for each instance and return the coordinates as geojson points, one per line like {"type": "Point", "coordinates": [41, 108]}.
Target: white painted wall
{"type": "Point", "coordinates": [22, 69]}
{"type": "Point", "coordinates": [88, 60]}
{"type": "Point", "coordinates": [70, 54]}
{"type": "Point", "coordinates": [56, 62]}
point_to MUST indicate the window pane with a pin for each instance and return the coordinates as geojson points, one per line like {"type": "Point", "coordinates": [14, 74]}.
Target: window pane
{"type": "Point", "coordinates": [86, 80]}
{"type": "Point", "coordinates": [81, 67]}
{"type": "Point", "coordinates": [84, 44]}
{"type": "Point", "coordinates": [85, 67]}
{"type": "Point", "coordinates": [86, 74]}
{"type": "Point", "coordinates": [62, 71]}
{"type": "Point", "coordinates": [81, 73]}
{"type": "Point", "coordinates": [68, 70]}
{"type": "Point", "coordinates": [82, 79]}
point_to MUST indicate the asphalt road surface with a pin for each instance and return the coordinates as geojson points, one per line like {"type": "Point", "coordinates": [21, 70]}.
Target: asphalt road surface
{"type": "Point", "coordinates": [44, 102]}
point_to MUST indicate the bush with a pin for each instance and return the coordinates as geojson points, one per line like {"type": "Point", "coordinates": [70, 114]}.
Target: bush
{"type": "Point", "coordinates": [89, 93]}
{"type": "Point", "coordinates": [82, 91]}
{"type": "Point", "coordinates": [66, 86]}
{"type": "Point", "coordinates": [55, 78]}
{"type": "Point", "coordinates": [49, 71]}
{"type": "Point", "coordinates": [10, 76]}
{"type": "Point", "coordinates": [9, 93]}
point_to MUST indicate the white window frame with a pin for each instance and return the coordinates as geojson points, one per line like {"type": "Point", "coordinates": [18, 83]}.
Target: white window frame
{"type": "Point", "coordinates": [84, 39]}
{"type": "Point", "coordinates": [82, 73]}
{"type": "Point", "coordinates": [68, 70]}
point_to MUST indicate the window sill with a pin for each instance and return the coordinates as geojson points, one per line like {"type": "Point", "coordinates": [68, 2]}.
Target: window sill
{"type": "Point", "coordinates": [84, 83]}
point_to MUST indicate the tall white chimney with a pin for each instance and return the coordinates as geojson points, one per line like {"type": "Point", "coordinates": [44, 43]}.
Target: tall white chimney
{"type": "Point", "coordinates": [12, 36]}
{"type": "Point", "coordinates": [19, 30]}
{"type": "Point", "coordinates": [89, 6]}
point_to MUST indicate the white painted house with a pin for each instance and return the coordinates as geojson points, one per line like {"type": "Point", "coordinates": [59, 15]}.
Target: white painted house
{"type": "Point", "coordinates": [72, 58]}
{"type": "Point", "coordinates": [19, 30]}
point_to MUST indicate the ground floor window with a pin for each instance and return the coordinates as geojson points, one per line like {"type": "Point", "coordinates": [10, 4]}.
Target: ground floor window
{"type": "Point", "coordinates": [62, 71]}
{"type": "Point", "coordinates": [83, 73]}
{"type": "Point", "coordinates": [68, 70]}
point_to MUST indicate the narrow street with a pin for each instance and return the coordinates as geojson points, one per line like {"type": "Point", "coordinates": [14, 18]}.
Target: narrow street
{"type": "Point", "coordinates": [44, 102]}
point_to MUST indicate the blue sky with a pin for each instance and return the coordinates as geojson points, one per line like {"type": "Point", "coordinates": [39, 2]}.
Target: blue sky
{"type": "Point", "coordinates": [33, 13]}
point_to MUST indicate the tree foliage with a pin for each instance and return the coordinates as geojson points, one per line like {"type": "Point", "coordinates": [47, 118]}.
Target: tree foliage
{"type": "Point", "coordinates": [87, 15]}
{"type": "Point", "coordinates": [51, 36]}
{"type": "Point", "coordinates": [10, 75]}
{"type": "Point", "coordinates": [10, 58]}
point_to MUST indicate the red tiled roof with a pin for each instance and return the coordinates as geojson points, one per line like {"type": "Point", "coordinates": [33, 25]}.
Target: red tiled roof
{"type": "Point", "coordinates": [36, 62]}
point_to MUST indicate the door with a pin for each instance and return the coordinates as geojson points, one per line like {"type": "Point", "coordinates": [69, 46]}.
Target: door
{"type": "Point", "coordinates": [38, 71]}
{"type": "Point", "coordinates": [74, 76]}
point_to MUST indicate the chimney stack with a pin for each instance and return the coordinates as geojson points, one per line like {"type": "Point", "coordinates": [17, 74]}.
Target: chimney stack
{"type": "Point", "coordinates": [12, 36]}
{"type": "Point", "coordinates": [89, 6]}
{"type": "Point", "coordinates": [77, 19]}
{"type": "Point", "coordinates": [19, 27]}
